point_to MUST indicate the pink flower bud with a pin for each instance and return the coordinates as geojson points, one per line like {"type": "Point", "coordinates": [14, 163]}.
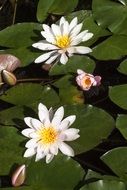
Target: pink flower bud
{"type": "Point", "coordinates": [86, 80]}
{"type": "Point", "coordinates": [18, 176]}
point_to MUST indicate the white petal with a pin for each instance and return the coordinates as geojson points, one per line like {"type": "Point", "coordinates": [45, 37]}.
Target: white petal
{"type": "Point", "coordinates": [66, 149]}
{"type": "Point", "coordinates": [62, 20]}
{"type": "Point", "coordinates": [79, 50]}
{"type": "Point", "coordinates": [44, 57]}
{"type": "Point", "coordinates": [71, 134]}
{"type": "Point", "coordinates": [58, 116]}
{"type": "Point", "coordinates": [31, 143]}
{"type": "Point", "coordinates": [27, 132]}
{"type": "Point", "coordinates": [76, 30]}
{"type": "Point", "coordinates": [63, 58]}
{"type": "Point", "coordinates": [64, 124]}
{"type": "Point", "coordinates": [54, 149]}
{"type": "Point", "coordinates": [28, 121]}
{"type": "Point", "coordinates": [56, 30]}
{"type": "Point", "coordinates": [39, 156]}
{"type": "Point", "coordinates": [70, 118]}
{"type": "Point", "coordinates": [34, 135]}
{"type": "Point", "coordinates": [43, 114]}
{"type": "Point", "coordinates": [36, 124]}
{"type": "Point", "coordinates": [73, 23]}
{"type": "Point", "coordinates": [49, 38]}
{"type": "Point", "coordinates": [49, 158]}
{"type": "Point", "coordinates": [51, 59]}
{"type": "Point", "coordinates": [87, 37]}
{"type": "Point", "coordinates": [29, 152]}
{"type": "Point", "coordinates": [65, 28]}
{"type": "Point", "coordinates": [78, 39]}
{"type": "Point", "coordinates": [44, 46]}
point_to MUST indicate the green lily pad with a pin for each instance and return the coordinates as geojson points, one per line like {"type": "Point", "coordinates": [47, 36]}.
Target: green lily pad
{"type": "Point", "coordinates": [19, 35]}
{"type": "Point", "coordinates": [54, 176]}
{"type": "Point", "coordinates": [105, 185]}
{"type": "Point", "coordinates": [118, 95]}
{"type": "Point", "coordinates": [116, 159]}
{"type": "Point", "coordinates": [111, 14]}
{"type": "Point", "coordinates": [30, 93]}
{"type": "Point", "coordinates": [94, 124]}
{"type": "Point", "coordinates": [54, 7]}
{"type": "Point", "coordinates": [74, 63]}
{"type": "Point", "coordinates": [113, 48]}
{"type": "Point", "coordinates": [123, 67]}
{"type": "Point", "coordinates": [11, 150]}
{"type": "Point", "coordinates": [121, 124]}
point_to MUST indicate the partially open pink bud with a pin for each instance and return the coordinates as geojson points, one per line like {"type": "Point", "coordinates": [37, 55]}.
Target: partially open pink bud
{"type": "Point", "coordinates": [86, 80]}
{"type": "Point", "coordinates": [19, 176]}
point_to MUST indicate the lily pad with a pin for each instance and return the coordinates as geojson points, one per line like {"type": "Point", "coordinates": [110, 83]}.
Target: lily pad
{"type": "Point", "coordinates": [30, 93]}
{"type": "Point", "coordinates": [123, 67]}
{"type": "Point", "coordinates": [118, 95]}
{"type": "Point", "coordinates": [94, 124]}
{"type": "Point", "coordinates": [121, 124]}
{"type": "Point", "coordinates": [116, 160]}
{"type": "Point", "coordinates": [105, 185]}
{"type": "Point", "coordinates": [111, 14]}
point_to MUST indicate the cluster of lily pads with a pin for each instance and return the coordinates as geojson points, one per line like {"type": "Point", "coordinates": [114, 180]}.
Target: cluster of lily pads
{"type": "Point", "coordinates": [63, 122]}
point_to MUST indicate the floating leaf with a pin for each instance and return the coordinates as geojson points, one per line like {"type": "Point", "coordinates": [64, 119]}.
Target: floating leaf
{"type": "Point", "coordinates": [116, 159]}
{"type": "Point", "coordinates": [11, 151]}
{"type": "Point", "coordinates": [29, 93]}
{"type": "Point", "coordinates": [95, 125]}
{"type": "Point", "coordinates": [74, 63]}
{"type": "Point", "coordinates": [54, 7]}
{"type": "Point", "coordinates": [111, 14]}
{"type": "Point", "coordinates": [19, 35]}
{"type": "Point", "coordinates": [113, 48]}
{"type": "Point", "coordinates": [121, 124]}
{"type": "Point", "coordinates": [105, 185]}
{"type": "Point", "coordinates": [118, 95]}
{"type": "Point", "coordinates": [54, 175]}
{"type": "Point", "coordinates": [123, 67]}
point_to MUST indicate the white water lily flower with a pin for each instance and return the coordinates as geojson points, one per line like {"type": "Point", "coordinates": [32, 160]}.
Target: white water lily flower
{"type": "Point", "coordinates": [61, 41]}
{"type": "Point", "coordinates": [48, 134]}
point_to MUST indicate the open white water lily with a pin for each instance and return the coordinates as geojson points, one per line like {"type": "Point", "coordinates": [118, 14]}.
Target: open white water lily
{"type": "Point", "coordinates": [48, 134]}
{"type": "Point", "coordinates": [61, 41]}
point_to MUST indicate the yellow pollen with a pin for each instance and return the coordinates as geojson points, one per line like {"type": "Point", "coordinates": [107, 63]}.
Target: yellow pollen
{"type": "Point", "coordinates": [63, 41]}
{"type": "Point", "coordinates": [48, 135]}
{"type": "Point", "coordinates": [86, 81]}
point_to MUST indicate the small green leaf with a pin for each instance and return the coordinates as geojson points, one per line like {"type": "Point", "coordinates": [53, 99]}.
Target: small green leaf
{"type": "Point", "coordinates": [116, 159]}
{"type": "Point", "coordinates": [118, 95]}
{"type": "Point", "coordinates": [121, 124]}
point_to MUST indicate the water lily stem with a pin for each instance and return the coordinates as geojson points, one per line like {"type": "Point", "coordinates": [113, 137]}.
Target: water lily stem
{"type": "Point", "coordinates": [15, 9]}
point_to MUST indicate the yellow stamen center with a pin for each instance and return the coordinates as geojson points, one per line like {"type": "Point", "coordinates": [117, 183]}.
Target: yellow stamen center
{"type": "Point", "coordinates": [86, 81]}
{"type": "Point", "coordinates": [63, 41]}
{"type": "Point", "coordinates": [48, 135]}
